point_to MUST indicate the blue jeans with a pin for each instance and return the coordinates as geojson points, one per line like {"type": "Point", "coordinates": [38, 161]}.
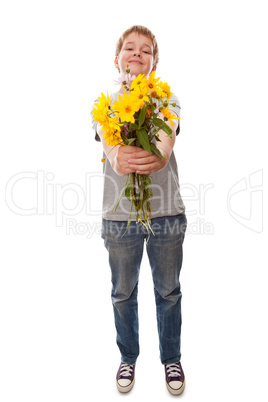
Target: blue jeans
{"type": "Point", "coordinates": [164, 250]}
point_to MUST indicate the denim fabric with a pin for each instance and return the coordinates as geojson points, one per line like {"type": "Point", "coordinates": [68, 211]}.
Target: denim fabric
{"type": "Point", "coordinates": [164, 250]}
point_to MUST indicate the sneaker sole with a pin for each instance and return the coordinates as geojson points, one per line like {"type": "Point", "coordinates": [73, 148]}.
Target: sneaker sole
{"type": "Point", "coordinates": [176, 391]}
{"type": "Point", "coordinates": [127, 388]}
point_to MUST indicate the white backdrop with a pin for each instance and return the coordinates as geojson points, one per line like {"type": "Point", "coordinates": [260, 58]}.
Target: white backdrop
{"type": "Point", "coordinates": [57, 332]}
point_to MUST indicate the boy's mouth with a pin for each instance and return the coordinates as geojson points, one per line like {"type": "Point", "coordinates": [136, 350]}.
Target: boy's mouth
{"type": "Point", "coordinates": [135, 61]}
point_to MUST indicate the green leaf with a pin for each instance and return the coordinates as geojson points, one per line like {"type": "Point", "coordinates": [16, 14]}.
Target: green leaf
{"type": "Point", "coordinates": [167, 129]}
{"type": "Point", "coordinates": [133, 126]}
{"type": "Point", "coordinates": [128, 192]}
{"type": "Point", "coordinates": [152, 107]}
{"type": "Point", "coordinates": [127, 179]}
{"type": "Point", "coordinates": [129, 141]}
{"type": "Point", "coordinates": [163, 126]}
{"type": "Point", "coordinates": [142, 115]}
{"type": "Point", "coordinates": [158, 122]}
{"type": "Point", "coordinates": [156, 151]}
{"type": "Point", "coordinates": [143, 139]}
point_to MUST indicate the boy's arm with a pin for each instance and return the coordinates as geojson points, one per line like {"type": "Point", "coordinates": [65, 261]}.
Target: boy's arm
{"type": "Point", "coordinates": [167, 144]}
{"type": "Point", "coordinates": [117, 156]}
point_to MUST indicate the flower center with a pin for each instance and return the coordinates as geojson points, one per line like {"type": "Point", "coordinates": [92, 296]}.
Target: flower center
{"type": "Point", "coordinates": [151, 86]}
{"type": "Point", "coordinates": [127, 109]}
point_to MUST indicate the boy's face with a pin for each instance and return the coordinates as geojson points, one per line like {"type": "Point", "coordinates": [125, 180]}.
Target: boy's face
{"type": "Point", "coordinates": [137, 52]}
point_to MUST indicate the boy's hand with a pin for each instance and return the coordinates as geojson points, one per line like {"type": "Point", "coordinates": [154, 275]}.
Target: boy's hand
{"type": "Point", "coordinates": [145, 163]}
{"type": "Point", "coordinates": [130, 159]}
{"type": "Point", "coordinates": [127, 159]}
{"type": "Point", "coordinates": [142, 162]}
{"type": "Point", "coordinates": [120, 163]}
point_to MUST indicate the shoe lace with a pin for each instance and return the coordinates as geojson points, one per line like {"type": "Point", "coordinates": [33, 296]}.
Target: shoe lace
{"type": "Point", "coordinates": [126, 370]}
{"type": "Point", "coordinates": [173, 370]}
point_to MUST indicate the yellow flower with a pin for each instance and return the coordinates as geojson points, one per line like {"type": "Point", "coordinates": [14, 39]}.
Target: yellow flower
{"type": "Point", "coordinates": [101, 109]}
{"type": "Point", "coordinates": [165, 88]}
{"type": "Point", "coordinates": [112, 132]}
{"type": "Point", "coordinates": [126, 107]}
{"type": "Point", "coordinates": [152, 82]}
{"type": "Point", "coordinates": [152, 86]}
{"type": "Point", "coordinates": [168, 116]}
{"type": "Point", "coordinates": [139, 95]}
{"type": "Point", "coordinates": [139, 81]}
{"type": "Point", "coordinates": [100, 116]}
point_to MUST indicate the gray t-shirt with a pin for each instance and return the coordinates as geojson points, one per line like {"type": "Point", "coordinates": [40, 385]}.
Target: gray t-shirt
{"type": "Point", "coordinates": [166, 199]}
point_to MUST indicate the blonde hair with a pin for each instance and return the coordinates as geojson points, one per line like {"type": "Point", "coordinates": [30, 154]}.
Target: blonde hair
{"type": "Point", "coordinates": [141, 30]}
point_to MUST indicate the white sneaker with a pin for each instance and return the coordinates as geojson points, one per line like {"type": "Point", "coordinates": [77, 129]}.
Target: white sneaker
{"type": "Point", "coordinates": [125, 377]}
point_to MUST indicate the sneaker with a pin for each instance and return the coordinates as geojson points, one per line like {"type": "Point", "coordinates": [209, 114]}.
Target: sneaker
{"type": "Point", "coordinates": [175, 379]}
{"type": "Point", "coordinates": [125, 377]}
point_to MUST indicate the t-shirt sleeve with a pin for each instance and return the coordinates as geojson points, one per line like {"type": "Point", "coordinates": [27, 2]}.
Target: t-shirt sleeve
{"type": "Point", "coordinates": [175, 109]}
{"type": "Point", "coordinates": [94, 123]}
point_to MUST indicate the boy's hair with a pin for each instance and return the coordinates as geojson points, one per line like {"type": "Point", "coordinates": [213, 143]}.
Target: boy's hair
{"type": "Point", "coordinates": [141, 30]}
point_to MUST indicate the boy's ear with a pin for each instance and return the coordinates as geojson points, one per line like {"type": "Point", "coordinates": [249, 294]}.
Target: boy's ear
{"type": "Point", "coordinates": [154, 68]}
{"type": "Point", "coordinates": [116, 62]}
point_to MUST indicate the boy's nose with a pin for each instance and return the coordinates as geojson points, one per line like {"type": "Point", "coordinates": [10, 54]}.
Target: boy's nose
{"type": "Point", "coordinates": [137, 54]}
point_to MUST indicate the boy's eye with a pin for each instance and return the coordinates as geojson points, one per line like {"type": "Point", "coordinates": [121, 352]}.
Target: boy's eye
{"type": "Point", "coordinates": [144, 51]}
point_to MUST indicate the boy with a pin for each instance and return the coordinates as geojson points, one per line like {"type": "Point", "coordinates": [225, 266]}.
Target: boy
{"type": "Point", "coordinates": [138, 49]}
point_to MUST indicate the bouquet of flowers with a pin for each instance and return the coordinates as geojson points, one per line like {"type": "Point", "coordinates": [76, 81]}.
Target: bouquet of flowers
{"type": "Point", "coordinates": [133, 120]}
